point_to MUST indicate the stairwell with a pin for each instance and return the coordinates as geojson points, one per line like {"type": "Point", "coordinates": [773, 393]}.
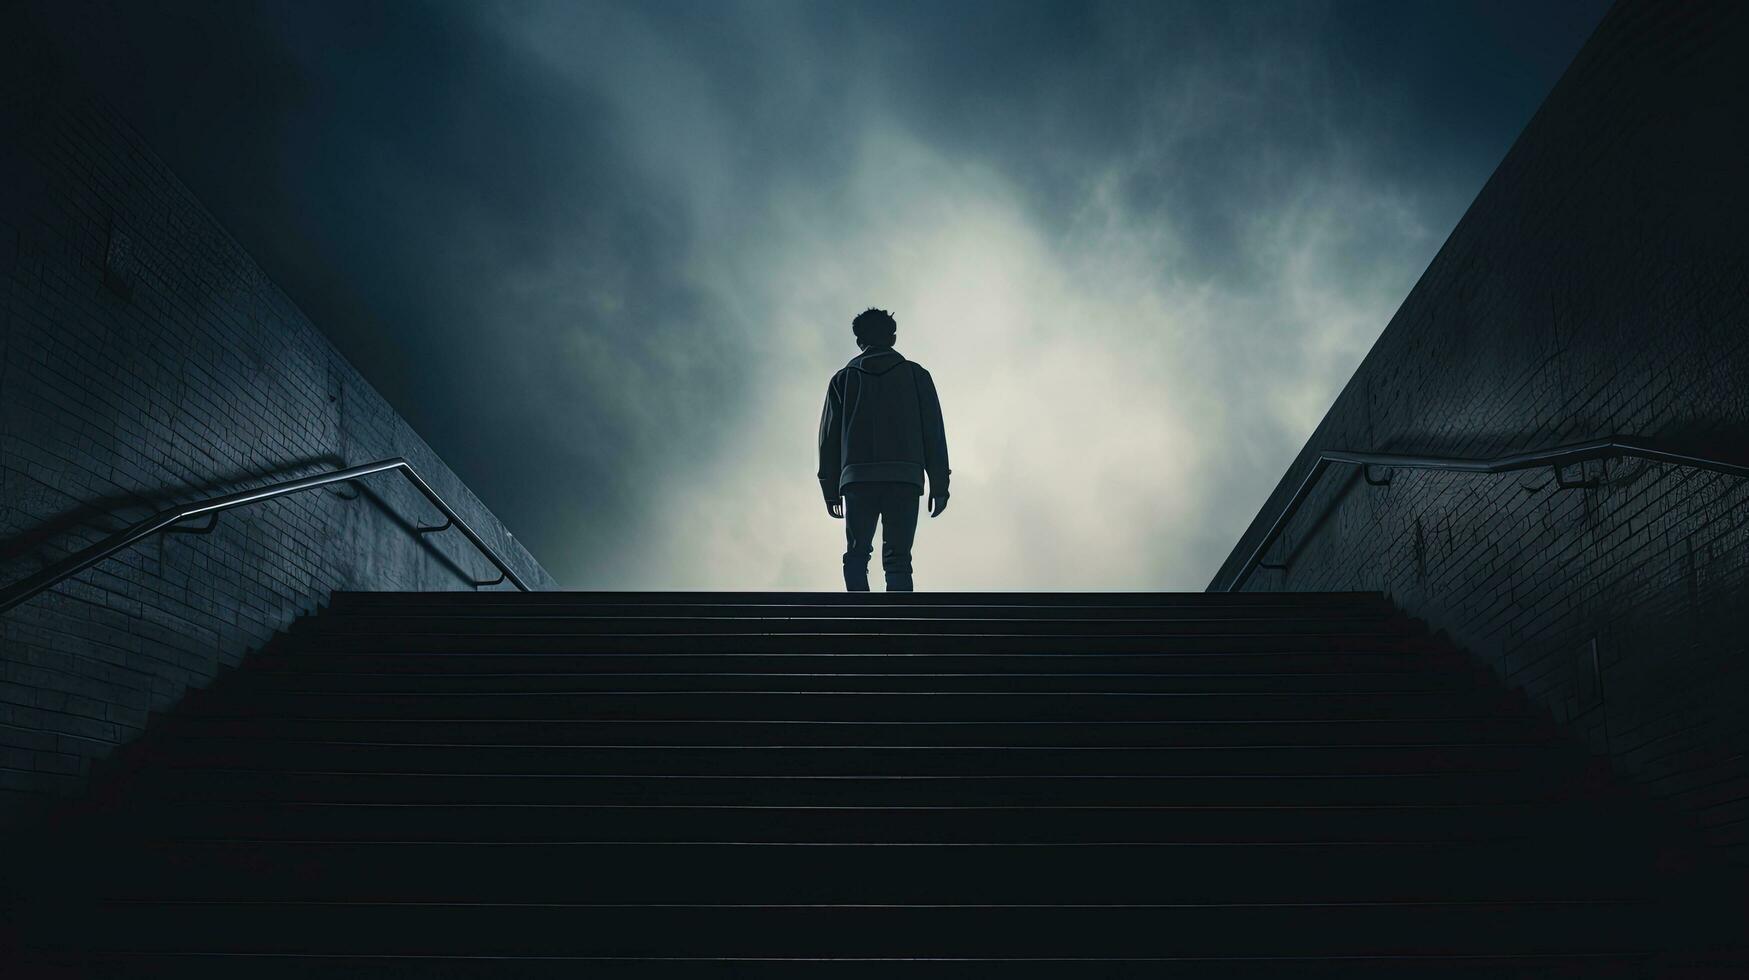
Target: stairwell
{"type": "Point", "coordinates": [757, 784]}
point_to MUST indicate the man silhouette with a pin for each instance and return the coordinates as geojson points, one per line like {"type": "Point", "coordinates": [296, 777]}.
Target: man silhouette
{"type": "Point", "coordinates": [879, 433]}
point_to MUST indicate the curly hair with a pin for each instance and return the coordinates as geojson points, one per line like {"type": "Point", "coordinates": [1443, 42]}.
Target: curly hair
{"type": "Point", "coordinates": [875, 328]}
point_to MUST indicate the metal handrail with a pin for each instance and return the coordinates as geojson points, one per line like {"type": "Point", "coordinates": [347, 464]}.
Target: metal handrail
{"type": "Point", "coordinates": [166, 521]}
{"type": "Point", "coordinates": [1555, 458]}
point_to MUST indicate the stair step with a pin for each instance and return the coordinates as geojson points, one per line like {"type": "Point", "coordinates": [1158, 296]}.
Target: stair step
{"type": "Point", "coordinates": [1045, 823]}
{"type": "Point", "coordinates": [1439, 966]}
{"type": "Point", "coordinates": [787, 873]}
{"type": "Point", "coordinates": [931, 931]}
{"type": "Point", "coordinates": [774, 702]}
{"type": "Point", "coordinates": [414, 641]}
{"type": "Point", "coordinates": [583, 731]}
{"type": "Point", "coordinates": [1504, 786]}
{"type": "Point", "coordinates": [758, 601]}
{"type": "Point", "coordinates": [344, 755]}
{"type": "Point", "coordinates": [293, 658]}
{"type": "Point", "coordinates": [519, 612]}
{"type": "Point", "coordinates": [270, 679]}
{"type": "Point", "coordinates": [837, 627]}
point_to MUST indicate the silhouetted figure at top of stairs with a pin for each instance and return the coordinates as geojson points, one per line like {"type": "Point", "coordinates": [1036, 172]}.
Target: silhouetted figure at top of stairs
{"type": "Point", "coordinates": [881, 434]}
{"type": "Point", "coordinates": [567, 784]}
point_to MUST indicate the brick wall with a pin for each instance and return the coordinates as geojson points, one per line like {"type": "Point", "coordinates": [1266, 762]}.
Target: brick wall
{"type": "Point", "coordinates": [144, 360]}
{"type": "Point", "coordinates": [1596, 286]}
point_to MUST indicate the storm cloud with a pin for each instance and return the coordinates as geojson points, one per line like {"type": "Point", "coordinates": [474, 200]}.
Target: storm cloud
{"type": "Point", "coordinates": [604, 257]}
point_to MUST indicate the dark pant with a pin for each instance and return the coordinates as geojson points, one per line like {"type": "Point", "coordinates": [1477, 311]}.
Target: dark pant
{"type": "Point", "coordinates": [895, 506]}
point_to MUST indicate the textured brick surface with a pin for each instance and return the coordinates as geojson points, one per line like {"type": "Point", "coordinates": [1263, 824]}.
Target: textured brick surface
{"type": "Point", "coordinates": [145, 359]}
{"type": "Point", "coordinates": [1596, 286]}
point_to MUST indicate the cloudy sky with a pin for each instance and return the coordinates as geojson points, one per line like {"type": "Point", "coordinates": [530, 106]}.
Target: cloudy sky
{"type": "Point", "coordinates": [604, 256]}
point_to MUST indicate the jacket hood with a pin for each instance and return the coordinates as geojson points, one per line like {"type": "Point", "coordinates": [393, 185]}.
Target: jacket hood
{"type": "Point", "coordinates": [878, 360]}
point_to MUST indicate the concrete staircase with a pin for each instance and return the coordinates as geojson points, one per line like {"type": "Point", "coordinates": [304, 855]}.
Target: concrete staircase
{"type": "Point", "coordinates": [929, 785]}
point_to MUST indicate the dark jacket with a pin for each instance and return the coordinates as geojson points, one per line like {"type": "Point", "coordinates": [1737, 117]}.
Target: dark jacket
{"type": "Point", "coordinates": [882, 422]}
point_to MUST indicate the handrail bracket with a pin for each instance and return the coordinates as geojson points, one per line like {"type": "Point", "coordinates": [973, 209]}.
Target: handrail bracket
{"type": "Point", "coordinates": [211, 522]}
{"type": "Point", "coordinates": [1565, 484]}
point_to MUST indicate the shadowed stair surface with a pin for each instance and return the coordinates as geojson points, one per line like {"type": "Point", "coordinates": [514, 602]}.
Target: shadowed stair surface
{"type": "Point", "coordinates": [754, 784]}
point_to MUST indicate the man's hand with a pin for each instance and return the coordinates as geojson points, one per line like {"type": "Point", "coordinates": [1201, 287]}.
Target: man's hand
{"type": "Point", "coordinates": [835, 507]}
{"type": "Point", "coordinates": [937, 505]}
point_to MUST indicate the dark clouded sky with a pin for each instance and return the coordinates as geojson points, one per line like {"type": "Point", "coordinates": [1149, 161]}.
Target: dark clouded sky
{"type": "Point", "coordinates": [604, 256]}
